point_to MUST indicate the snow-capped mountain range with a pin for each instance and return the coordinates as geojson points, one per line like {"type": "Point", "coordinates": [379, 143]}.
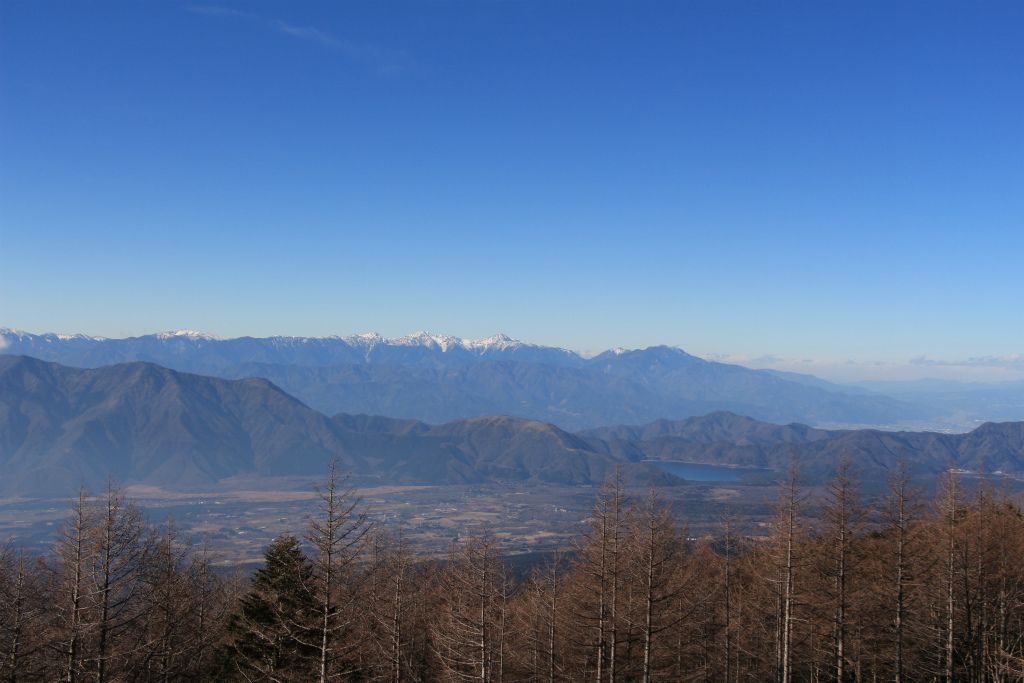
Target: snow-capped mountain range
{"type": "Point", "coordinates": [445, 342]}
{"type": "Point", "coordinates": [202, 352]}
{"type": "Point", "coordinates": [438, 378]}
{"type": "Point", "coordinates": [188, 334]}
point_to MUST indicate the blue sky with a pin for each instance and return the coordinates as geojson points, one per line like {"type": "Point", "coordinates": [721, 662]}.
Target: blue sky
{"type": "Point", "coordinates": [839, 181]}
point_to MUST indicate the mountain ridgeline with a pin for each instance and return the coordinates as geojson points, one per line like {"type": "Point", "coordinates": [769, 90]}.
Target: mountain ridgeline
{"type": "Point", "coordinates": [144, 423]}
{"type": "Point", "coordinates": [437, 379]}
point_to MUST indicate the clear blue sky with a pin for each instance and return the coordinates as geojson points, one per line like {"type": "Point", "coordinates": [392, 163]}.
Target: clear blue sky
{"type": "Point", "coordinates": [836, 180]}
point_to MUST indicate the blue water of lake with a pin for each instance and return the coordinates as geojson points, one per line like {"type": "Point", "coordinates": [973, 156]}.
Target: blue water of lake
{"type": "Point", "coordinates": [698, 472]}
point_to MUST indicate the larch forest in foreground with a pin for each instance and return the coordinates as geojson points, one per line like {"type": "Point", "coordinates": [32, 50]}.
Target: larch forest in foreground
{"type": "Point", "coordinates": [903, 587]}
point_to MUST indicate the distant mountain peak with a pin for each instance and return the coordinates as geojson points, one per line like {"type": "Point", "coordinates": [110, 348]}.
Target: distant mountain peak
{"type": "Point", "coordinates": [501, 341]}
{"type": "Point", "coordinates": [10, 337]}
{"type": "Point", "coordinates": [362, 340]}
{"type": "Point", "coordinates": [661, 353]}
{"type": "Point", "coordinates": [68, 337]}
{"type": "Point", "coordinates": [447, 342]}
{"type": "Point", "coordinates": [422, 338]}
{"type": "Point", "coordinates": [21, 334]}
{"type": "Point", "coordinates": [189, 334]}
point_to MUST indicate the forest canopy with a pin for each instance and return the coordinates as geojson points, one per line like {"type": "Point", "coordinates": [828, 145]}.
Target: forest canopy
{"type": "Point", "coordinates": [903, 587]}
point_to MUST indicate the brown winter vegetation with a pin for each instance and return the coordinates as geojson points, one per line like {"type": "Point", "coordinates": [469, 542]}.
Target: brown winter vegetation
{"type": "Point", "coordinates": [898, 588]}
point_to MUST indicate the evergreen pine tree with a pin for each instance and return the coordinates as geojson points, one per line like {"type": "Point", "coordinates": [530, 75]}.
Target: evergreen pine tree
{"type": "Point", "coordinates": [271, 625]}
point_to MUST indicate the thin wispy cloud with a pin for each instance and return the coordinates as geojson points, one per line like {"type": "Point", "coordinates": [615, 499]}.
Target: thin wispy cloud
{"type": "Point", "coordinates": [382, 60]}
{"type": "Point", "coordinates": [1015, 361]}
{"type": "Point", "coordinates": [306, 33]}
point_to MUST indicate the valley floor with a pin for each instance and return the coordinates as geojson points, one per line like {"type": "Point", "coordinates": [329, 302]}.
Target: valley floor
{"type": "Point", "coordinates": [525, 518]}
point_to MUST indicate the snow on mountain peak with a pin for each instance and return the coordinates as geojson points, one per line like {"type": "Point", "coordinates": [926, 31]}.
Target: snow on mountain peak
{"type": "Point", "coordinates": [444, 342]}
{"type": "Point", "coordinates": [363, 340]}
{"type": "Point", "coordinates": [495, 345]}
{"type": "Point", "coordinates": [69, 337]}
{"type": "Point", "coordinates": [206, 336]}
{"type": "Point", "coordinates": [21, 335]}
{"type": "Point", "coordinates": [499, 341]}
{"type": "Point", "coordinates": [422, 338]}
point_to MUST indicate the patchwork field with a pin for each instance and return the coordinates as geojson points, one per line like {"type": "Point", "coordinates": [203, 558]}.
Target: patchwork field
{"type": "Point", "coordinates": [526, 518]}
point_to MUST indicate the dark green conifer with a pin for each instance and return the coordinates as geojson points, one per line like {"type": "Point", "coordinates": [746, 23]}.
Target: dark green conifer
{"type": "Point", "coordinates": [270, 629]}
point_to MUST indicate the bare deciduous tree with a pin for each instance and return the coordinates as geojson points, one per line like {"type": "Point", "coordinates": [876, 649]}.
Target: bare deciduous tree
{"type": "Point", "coordinates": [600, 565]}
{"type": "Point", "coordinates": [788, 531]}
{"type": "Point", "coordinates": [900, 512]}
{"type": "Point", "coordinates": [843, 517]}
{"type": "Point", "coordinates": [654, 560]}
{"type": "Point", "coordinates": [121, 545]}
{"type": "Point", "coordinates": [69, 564]}
{"type": "Point", "coordinates": [22, 616]}
{"type": "Point", "coordinates": [336, 537]}
{"type": "Point", "coordinates": [469, 633]}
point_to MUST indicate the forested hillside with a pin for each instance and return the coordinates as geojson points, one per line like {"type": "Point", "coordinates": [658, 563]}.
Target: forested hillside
{"type": "Point", "coordinates": [143, 423]}
{"type": "Point", "coordinates": [906, 589]}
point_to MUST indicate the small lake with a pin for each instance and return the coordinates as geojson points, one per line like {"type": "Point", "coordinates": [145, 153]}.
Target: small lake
{"type": "Point", "coordinates": [698, 472]}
